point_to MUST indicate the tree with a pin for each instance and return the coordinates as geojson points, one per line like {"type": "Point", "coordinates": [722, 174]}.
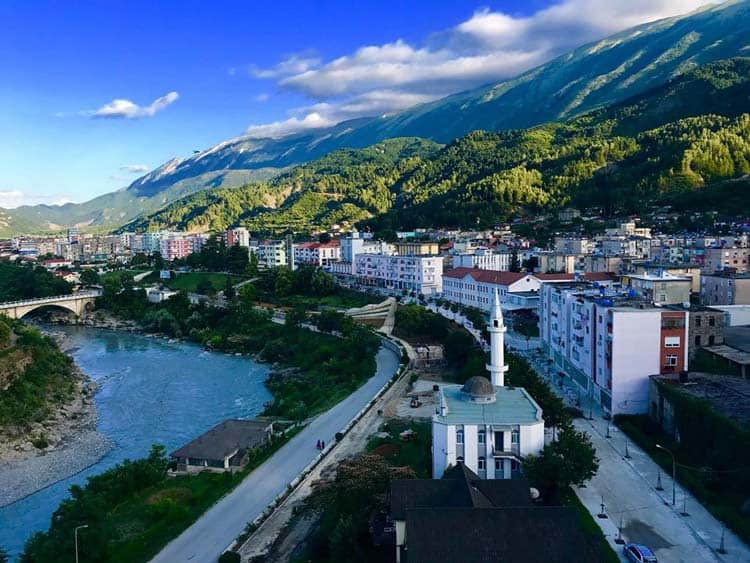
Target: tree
{"type": "Point", "coordinates": [237, 259]}
{"type": "Point", "coordinates": [248, 294]}
{"type": "Point", "coordinates": [515, 264]}
{"type": "Point", "coordinates": [229, 292]}
{"type": "Point", "coordinates": [324, 238]}
{"type": "Point", "coordinates": [4, 557]}
{"type": "Point", "coordinates": [89, 277]}
{"type": "Point", "coordinates": [571, 460]}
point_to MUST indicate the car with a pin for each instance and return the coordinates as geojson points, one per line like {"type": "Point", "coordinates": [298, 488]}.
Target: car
{"type": "Point", "coordinates": [638, 553]}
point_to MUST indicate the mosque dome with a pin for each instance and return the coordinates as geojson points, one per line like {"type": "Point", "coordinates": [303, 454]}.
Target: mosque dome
{"type": "Point", "coordinates": [478, 389]}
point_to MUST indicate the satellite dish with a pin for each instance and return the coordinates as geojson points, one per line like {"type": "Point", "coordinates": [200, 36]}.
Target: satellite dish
{"type": "Point", "coordinates": [686, 304]}
{"type": "Point", "coordinates": [534, 493]}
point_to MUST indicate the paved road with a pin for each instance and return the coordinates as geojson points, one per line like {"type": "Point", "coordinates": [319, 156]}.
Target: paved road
{"type": "Point", "coordinates": [628, 488]}
{"type": "Point", "coordinates": [205, 540]}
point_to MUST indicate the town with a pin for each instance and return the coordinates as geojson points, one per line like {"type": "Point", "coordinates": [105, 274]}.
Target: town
{"type": "Point", "coordinates": [392, 282]}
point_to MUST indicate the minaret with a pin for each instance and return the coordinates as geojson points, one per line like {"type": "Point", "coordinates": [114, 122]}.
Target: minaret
{"type": "Point", "coordinates": [496, 328]}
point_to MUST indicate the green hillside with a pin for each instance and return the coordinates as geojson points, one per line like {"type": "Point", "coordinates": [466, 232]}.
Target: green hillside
{"type": "Point", "coordinates": [592, 76]}
{"type": "Point", "coordinates": [678, 144]}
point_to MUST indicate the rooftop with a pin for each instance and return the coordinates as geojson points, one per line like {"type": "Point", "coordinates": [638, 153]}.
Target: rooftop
{"type": "Point", "coordinates": [226, 438]}
{"type": "Point", "coordinates": [513, 405]}
{"type": "Point", "coordinates": [728, 395]}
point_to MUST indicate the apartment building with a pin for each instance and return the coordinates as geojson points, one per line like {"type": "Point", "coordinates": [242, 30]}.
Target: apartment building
{"type": "Point", "coordinates": [270, 253]}
{"type": "Point", "coordinates": [663, 288]}
{"type": "Point", "coordinates": [238, 235]}
{"type": "Point", "coordinates": [609, 343]}
{"type": "Point", "coordinates": [317, 253]}
{"type": "Point", "coordinates": [484, 259]}
{"type": "Point", "coordinates": [736, 258]}
{"type": "Point", "coordinates": [419, 275]}
{"type": "Point", "coordinates": [416, 248]}
{"type": "Point", "coordinates": [675, 269]}
{"type": "Point", "coordinates": [725, 288]}
{"type": "Point", "coordinates": [173, 246]}
{"type": "Point", "coordinates": [574, 245]}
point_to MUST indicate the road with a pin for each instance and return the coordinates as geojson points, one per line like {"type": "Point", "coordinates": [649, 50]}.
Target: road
{"type": "Point", "coordinates": [207, 538]}
{"type": "Point", "coordinates": [627, 486]}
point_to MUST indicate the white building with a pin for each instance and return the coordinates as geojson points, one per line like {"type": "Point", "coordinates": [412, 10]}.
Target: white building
{"type": "Point", "coordinates": [609, 344]}
{"type": "Point", "coordinates": [396, 274]}
{"type": "Point", "coordinates": [238, 235]}
{"type": "Point", "coordinates": [270, 253]}
{"type": "Point", "coordinates": [484, 259]}
{"type": "Point", "coordinates": [483, 424]}
{"type": "Point", "coordinates": [317, 253]}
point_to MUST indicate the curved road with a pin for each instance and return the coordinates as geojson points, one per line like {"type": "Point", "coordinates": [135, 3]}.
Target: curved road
{"type": "Point", "coordinates": [207, 538]}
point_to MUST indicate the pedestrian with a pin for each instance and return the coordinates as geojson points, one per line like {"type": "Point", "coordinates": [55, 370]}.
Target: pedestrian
{"type": "Point", "coordinates": [318, 444]}
{"type": "Point", "coordinates": [323, 445]}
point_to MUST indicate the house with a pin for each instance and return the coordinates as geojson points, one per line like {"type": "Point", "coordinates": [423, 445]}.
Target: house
{"type": "Point", "coordinates": [692, 271]}
{"type": "Point", "coordinates": [706, 328]}
{"type": "Point", "coordinates": [464, 518]}
{"type": "Point", "coordinates": [718, 259]}
{"type": "Point", "coordinates": [223, 448]}
{"type": "Point", "coordinates": [156, 295]}
{"type": "Point", "coordinates": [484, 424]}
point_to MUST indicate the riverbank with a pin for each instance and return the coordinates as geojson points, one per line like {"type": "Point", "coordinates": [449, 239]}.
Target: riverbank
{"type": "Point", "coordinates": [57, 448]}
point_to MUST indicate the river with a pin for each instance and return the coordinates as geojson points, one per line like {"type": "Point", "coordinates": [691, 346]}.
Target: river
{"type": "Point", "coordinates": [150, 392]}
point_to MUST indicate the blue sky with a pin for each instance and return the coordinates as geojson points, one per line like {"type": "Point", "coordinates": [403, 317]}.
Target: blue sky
{"type": "Point", "coordinates": [95, 93]}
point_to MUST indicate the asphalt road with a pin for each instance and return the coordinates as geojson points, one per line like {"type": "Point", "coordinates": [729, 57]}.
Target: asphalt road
{"type": "Point", "coordinates": [207, 538]}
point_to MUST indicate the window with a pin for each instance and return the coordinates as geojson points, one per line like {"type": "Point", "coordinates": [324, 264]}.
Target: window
{"type": "Point", "coordinates": [711, 340]}
{"type": "Point", "coordinates": [697, 321]}
{"type": "Point", "coordinates": [481, 436]}
{"type": "Point", "coordinates": [514, 437]}
{"type": "Point", "coordinates": [662, 297]}
{"type": "Point", "coordinates": [481, 464]}
{"type": "Point", "coordinates": [460, 459]}
{"type": "Point", "coordinates": [672, 342]}
{"type": "Point", "coordinates": [697, 339]}
{"type": "Point", "coordinates": [671, 360]}
{"type": "Point", "coordinates": [459, 436]}
{"type": "Point", "coordinates": [498, 465]}
{"type": "Point", "coordinates": [711, 321]}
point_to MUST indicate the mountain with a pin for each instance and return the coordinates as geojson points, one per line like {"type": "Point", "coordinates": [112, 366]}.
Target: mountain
{"type": "Point", "coordinates": [591, 76]}
{"type": "Point", "coordinates": [685, 143]}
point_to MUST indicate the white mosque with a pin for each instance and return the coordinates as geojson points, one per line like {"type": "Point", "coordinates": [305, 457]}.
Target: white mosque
{"type": "Point", "coordinates": [484, 424]}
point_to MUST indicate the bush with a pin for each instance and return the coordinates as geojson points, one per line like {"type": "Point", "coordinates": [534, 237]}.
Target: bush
{"type": "Point", "coordinates": [230, 557]}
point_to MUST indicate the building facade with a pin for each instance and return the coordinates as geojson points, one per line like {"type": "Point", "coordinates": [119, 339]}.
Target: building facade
{"type": "Point", "coordinates": [420, 275]}
{"type": "Point", "coordinates": [483, 424]}
{"type": "Point", "coordinates": [725, 288]}
{"type": "Point", "coordinates": [609, 343]}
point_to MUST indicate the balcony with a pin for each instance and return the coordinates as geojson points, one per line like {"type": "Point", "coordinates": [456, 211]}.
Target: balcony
{"type": "Point", "coordinates": [513, 452]}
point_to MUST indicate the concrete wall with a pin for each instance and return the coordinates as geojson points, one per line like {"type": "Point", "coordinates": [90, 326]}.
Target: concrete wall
{"type": "Point", "coordinates": [636, 346]}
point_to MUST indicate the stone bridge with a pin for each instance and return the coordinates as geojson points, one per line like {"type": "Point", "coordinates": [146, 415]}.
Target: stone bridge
{"type": "Point", "coordinates": [76, 303]}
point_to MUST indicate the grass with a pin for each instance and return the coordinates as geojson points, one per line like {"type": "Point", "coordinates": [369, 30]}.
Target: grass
{"type": "Point", "coordinates": [725, 505]}
{"type": "Point", "coordinates": [342, 299]}
{"type": "Point", "coordinates": [180, 501]}
{"type": "Point", "coordinates": [414, 453]}
{"type": "Point", "coordinates": [589, 527]}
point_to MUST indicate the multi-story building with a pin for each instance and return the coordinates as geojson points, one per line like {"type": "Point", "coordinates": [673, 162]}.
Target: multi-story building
{"type": "Point", "coordinates": [484, 259]}
{"type": "Point", "coordinates": [680, 270]}
{"type": "Point", "coordinates": [706, 328]}
{"type": "Point", "coordinates": [574, 245]}
{"type": "Point", "coordinates": [474, 288]}
{"type": "Point", "coordinates": [420, 275]}
{"type": "Point", "coordinates": [609, 343]}
{"type": "Point", "coordinates": [551, 261]}
{"type": "Point", "coordinates": [270, 253]}
{"type": "Point", "coordinates": [736, 258]}
{"type": "Point", "coordinates": [416, 248]}
{"type": "Point", "coordinates": [663, 289]}
{"type": "Point", "coordinates": [173, 246]}
{"type": "Point", "coordinates": [484, 424]}
{"type": "Point", "coordinates": [725, 288]}
{"type": "Point", "coordinates": [238, 235]}
{"type": "Point", "coordinates": [317, 253]}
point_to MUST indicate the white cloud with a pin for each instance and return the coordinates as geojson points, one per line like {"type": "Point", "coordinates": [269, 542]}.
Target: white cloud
{"type": "Point", "coordinates": [10, 199]}
{"type": "Point", "coordinates": [125, 109]}
{"type": "Point", "coordinates": [261, 97]}
{"type": "Point", "coordinates": [292, 125]}
{"type": "Point", "coordinates": [487, 47]}
{"type": "Point", "coordinates": [134, 168]}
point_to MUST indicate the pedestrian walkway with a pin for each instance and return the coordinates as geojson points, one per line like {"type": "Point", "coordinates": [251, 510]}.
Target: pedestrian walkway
{"type": "Point", "coordinates": [626, 487]}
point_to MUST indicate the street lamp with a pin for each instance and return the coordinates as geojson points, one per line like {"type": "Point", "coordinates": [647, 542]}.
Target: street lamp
{"type": "Point", "coordinates": [674, 471]}
{"type": "Point", "coordinates": [75, 533]}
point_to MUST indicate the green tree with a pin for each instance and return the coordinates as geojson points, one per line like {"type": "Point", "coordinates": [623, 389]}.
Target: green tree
{"type": "Point", "coordinates": [571, 460]}
{"type": "Point", "coordinates": [89, 276]}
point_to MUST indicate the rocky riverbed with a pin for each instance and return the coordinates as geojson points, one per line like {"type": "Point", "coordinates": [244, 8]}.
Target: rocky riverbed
{"type": "Point", "coordinates": [54, 449]}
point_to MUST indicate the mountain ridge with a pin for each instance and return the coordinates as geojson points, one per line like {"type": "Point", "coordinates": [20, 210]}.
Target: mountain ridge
{"type": "Point", "coordinates": [593, 75]}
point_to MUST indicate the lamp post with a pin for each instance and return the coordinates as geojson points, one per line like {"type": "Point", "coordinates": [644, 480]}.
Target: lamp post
{"type": "Point", "coordinates": [75, 534]}
{"type": "Point", "coordinates": [674, 472]}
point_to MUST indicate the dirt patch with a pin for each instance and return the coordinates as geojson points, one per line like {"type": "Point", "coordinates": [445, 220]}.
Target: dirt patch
{"type": "Point", "coordinates": [176, 494]}
{"type": "Point", "coordinates": [387, 450]}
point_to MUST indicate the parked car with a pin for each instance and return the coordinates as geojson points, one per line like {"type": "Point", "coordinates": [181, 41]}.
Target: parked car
{"type": "Point", "coordinates": [639, 553]}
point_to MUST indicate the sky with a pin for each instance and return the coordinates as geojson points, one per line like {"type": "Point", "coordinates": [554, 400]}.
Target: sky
{"type": "Point", "coordinates": [96, 93]}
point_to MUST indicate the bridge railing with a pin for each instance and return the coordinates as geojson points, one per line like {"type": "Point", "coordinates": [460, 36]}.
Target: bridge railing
{"type": "Point", "coordinates": [53, 299]}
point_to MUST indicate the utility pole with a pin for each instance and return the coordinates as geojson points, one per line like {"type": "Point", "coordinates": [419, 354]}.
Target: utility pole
{"type": "Point", "coordinates": [75, 534]}
{"type": "Point", "coordinates": [674, 472]}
